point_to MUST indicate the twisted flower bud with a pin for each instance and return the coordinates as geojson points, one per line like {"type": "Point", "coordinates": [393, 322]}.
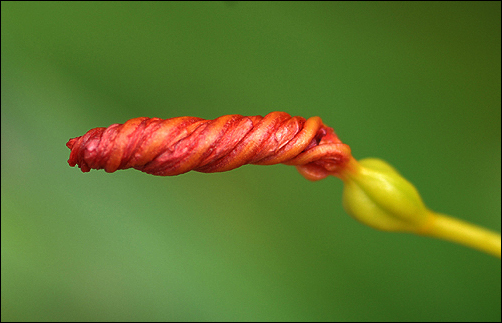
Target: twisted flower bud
{"type": "Point", "coordinates": [375, 193]}
{"type": "Point", "coordinates": [175, 146]}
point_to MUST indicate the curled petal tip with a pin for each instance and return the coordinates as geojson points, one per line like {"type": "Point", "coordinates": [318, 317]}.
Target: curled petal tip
{"type": "Point", "coordinates": [70, 143]}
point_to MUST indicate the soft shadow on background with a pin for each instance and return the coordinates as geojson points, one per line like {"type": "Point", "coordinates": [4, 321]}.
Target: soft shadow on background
{"type": "Point", "coordinates": [417, 84]}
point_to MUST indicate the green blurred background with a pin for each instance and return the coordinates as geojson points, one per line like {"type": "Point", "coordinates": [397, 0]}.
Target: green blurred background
{"type": "Point", "coordinates": [417, 84]}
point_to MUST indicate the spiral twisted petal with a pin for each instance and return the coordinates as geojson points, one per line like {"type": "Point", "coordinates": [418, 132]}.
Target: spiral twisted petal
{"type": "Point", "coordinates": [174, 146]}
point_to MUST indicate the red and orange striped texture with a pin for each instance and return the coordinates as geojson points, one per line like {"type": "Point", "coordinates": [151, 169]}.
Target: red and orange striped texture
{"type": "Point", "coordinates": [174, 146]}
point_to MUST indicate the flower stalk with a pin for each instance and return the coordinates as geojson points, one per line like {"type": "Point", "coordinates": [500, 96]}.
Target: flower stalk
{"type": "Point", "coordinates": [448, 228]}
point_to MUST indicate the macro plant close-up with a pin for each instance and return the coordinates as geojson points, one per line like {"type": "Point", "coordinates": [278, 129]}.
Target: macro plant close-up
{"type": "Point", "coordinates": [399, 101]}
{"type": "Point", "coordinates": [375, 193]}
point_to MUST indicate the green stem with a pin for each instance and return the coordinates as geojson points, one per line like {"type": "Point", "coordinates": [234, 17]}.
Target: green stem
{"type": "Point", "coordinates": [470, 235]}
{"type": "Point", "coordinates": [377, 195]}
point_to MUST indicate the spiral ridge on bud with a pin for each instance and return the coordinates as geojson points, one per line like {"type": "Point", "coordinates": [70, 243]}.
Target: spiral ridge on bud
{"type": "Point", "coordinates": [167, 147]}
